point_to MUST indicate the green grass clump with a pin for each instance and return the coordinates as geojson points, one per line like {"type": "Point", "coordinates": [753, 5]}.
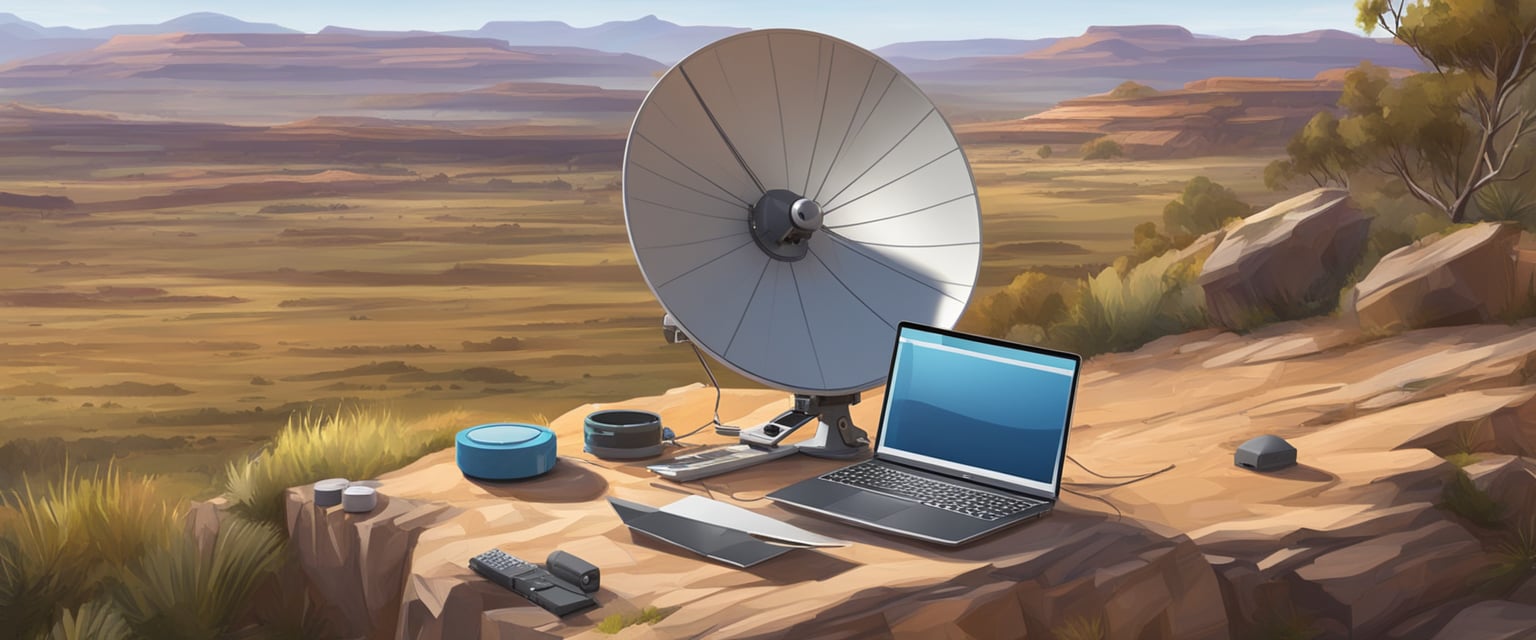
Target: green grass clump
{"type": "Point", "coordinates": [176, 592]}
{"type": "Point", "coordinates": [1462, 460]}
{"type": "Point", "coordinates": [92, 621]}
{"type": "Point", "coordinates": [1464, 499]}
{"type": "Point", "coordinates": [1518, 553]}
{"type": "Point", "coordinates": [1032, 298]}
{"type": "Point", "coordinates": [618, 621]}
{"type": "Point", "coordinates": [1515, 561]}
{"type": "Point", "coordinates": [1468, 438]}
{"type": "Point", "coordinates": [1080, 628]}
{"type": "Point", "coordinates": [1158, 297]}
{"type": "Point", "coordinates": [107, 556]}
{"type": "Point", "coordinates": [347, 444]}
{"type": "Point", "coordinates": [1124, 307]}
{"type": "Point", "coordinates": [63, 542]}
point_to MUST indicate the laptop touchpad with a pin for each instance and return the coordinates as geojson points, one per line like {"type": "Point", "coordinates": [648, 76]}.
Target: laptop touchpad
{"type": "Point", "coordinates": [869, 506]}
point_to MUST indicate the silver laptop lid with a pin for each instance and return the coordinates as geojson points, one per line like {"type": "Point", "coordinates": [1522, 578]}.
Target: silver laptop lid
{"type": "Point", "coordinates": [977, 408]}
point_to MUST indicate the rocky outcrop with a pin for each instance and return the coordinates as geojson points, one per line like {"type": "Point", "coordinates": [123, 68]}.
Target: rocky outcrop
{"type": "Point", "coordinates": [1466, 277]}
{"type": "Point", "coordinates": [1285, 262]}
{"type": "Point", "coordinates": [1077, 567]}
{"type": "Point", "coordinates": [357, 564]}
{"type": "Point", "coordinates": [1492, 620]}
{"type": "Point", "coordinates": [1352, 542]}
{"type": "Point", "coordinates": [1510, 481]}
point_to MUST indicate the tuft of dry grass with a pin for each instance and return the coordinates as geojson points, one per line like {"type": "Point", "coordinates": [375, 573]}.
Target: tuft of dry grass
{"type": "Point", "coordinates": [1117, 313]}
{"type": "Point", "coordinates": [94, 620]}
{"type": "Point", "coordinates": [179, 592]}
{"type": "Point", "coordinates": [1081, 628]}
{"type": "Point", "coordinates": [618, 621]}
{"type": "Point", "coordinates": [64, 540]}
{"type": "Point", "coordinates": [355, 444]}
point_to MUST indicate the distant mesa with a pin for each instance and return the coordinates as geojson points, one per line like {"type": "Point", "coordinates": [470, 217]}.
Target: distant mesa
{"type": "Point", "coordinates": [516, 96]}
{"type": "Point", "coordinates": [489, 375]}
{"type": "Point", "coordinates": [303, 208]}
{"type": "Point", "coordinates": [1039, 248]}
{"type": "Point", "coordinates": [392, 367]}
{"type": "Point", "coordinates": [33, 113]}
{"type": "Point", "coordinates": [199, 22]}
{"type": "Point", "coordinates": [22, 39]}
{"type": "Point", "coordinates": [40, 203]}
{"type": "Point", "coordinates": [945, 49]}
{"type": "Point", "coordinates": [649, 36]}
{"type": "Point", "coordinates": [498, 343]}
{"type": "Point", "coordinates": [104, 296]}
{"type": "Point", "coordinates": [357, 350]}
{"type": "Point", "coordinates": [1211, 115]}
{"type": "Point", "coordinates": [1308, 37]}
{"type": "Point", "coordinates": [224, 345]}
{"type": "Point", "coordinates": [118, 389]}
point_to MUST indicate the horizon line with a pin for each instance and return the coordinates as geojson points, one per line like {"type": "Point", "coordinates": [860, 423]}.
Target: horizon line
{"type": "Point", "coordinates": [1354, 32]}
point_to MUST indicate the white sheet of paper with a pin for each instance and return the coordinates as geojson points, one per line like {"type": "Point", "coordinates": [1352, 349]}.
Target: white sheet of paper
{"type": "Point", "coordinates": [733, 517]}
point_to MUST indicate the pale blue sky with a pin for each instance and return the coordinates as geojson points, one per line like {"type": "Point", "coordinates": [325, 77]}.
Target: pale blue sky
{"type": "Point", "coordinates": [870, 23]}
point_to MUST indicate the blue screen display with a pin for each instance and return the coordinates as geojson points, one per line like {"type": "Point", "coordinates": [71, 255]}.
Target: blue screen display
{"type": "Point", "coordinates": [978, 408]}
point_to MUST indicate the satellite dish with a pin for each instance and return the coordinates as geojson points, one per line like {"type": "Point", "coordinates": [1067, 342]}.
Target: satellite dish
{"type": "Point", "coordinates": [790, 198]}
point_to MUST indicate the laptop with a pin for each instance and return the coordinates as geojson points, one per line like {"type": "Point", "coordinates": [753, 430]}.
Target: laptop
{"type": "Point", "coordinates": [971, 440]}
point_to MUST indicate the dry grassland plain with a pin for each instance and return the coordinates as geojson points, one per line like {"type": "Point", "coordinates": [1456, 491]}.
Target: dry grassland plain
{"type": "Point", "coordinates": [183, 309]}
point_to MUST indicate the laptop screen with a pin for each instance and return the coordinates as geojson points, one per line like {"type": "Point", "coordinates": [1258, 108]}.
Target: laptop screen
{"type": "Point", "coordinates": [990, 411]}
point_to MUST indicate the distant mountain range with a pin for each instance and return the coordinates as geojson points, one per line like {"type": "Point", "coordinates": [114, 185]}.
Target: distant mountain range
{"type": "Point", "coordinates": [976, 80]}
{"type": "Point", "coordinates": [1158, 54]}
{"type": "Point", "coordinates": [650, 36]}
{"type": "Point", "coordinates": [270, 57]}
{"type": "Point", "coordinates": [203, 22]}
{"type": "Point", "coordinates": [668, 42]}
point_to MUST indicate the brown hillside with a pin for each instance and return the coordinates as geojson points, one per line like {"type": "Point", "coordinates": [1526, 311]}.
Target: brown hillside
{"type": "Point", "coordinates": [1214, 115]}
{"type": "Point", "coordinates": [516, 96]}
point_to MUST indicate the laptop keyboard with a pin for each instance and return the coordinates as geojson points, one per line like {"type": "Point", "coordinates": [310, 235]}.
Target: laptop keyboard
{"type": "Point", "coordinates": [934, 493]}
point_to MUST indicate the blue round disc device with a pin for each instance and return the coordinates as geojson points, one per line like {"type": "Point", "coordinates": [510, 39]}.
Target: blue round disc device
{"type": "Point", "coordinates": [505, 451]}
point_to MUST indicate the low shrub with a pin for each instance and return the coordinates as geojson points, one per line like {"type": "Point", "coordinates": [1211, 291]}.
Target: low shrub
{"type": "Point", "coordinates": [1121, 312]}
{"type": "Point", "coordinates": [1203, 207]}
{"type": "Point", "coordinates": [1102, 149]}
{"type": "Point", "coordinates": [1030, 299]}
{"type": "Point", "coordinates": [1148, 242]}
{"type": "Point", "coordinates": [1131, 89]}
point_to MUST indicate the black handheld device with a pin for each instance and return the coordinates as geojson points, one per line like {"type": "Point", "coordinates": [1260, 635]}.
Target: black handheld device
{"type": "Point", "coordinates": [532, 582]}
{"type": "Point", "coordinates": [574, 570]}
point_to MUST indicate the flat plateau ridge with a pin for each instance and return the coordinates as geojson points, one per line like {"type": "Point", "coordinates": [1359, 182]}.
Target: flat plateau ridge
{"type": "Point", "coordinates": [1350, 541]}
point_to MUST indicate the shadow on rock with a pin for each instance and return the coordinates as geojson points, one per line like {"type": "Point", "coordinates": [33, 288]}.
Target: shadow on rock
{"type": "Point", "coordinates": [1303, 473]}
{"type": "Point", "coordinates": [567, 482]}
{"type": "Point", "coordinates": [797, 566]}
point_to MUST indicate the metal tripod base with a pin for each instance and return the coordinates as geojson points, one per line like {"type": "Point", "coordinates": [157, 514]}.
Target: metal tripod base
{"type": "Point", "coordinates": [836, 436]}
